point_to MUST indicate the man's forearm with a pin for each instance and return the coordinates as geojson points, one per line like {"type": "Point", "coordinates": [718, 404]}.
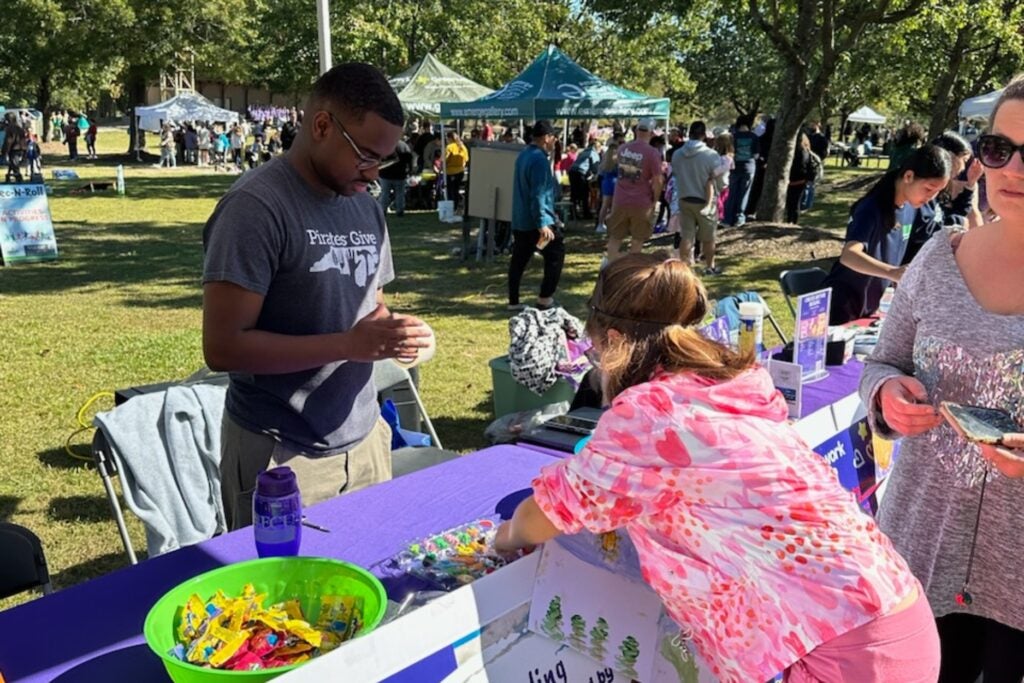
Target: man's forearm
{"type": "Point", "coordinates": [269, 353]}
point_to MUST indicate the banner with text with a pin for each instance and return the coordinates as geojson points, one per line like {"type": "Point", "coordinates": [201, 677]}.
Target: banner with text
{"type": "Point", "coordinates": [26, 230]}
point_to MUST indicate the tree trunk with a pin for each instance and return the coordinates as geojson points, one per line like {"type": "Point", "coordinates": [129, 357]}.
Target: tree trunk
{"type": "Point", "coordinates": [43, 97]}
{"type": "Point", "coordinates": [794, 107]}
{"type": "Point", "coordinates": [942, 91]}
{"type": "Point", "coordinates": [136, 89]}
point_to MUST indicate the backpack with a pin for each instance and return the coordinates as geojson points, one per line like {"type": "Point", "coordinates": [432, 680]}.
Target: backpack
{"type": "Point", "coordinates": [817, 169]}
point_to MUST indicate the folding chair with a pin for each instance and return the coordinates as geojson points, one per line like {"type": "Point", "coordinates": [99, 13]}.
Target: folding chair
{"type": "Point", "coordinates": [397, 383]}
{"type": "Point", "coordinates": [24, 564]}
{"type": "Point", "coordinates": [800, 281]}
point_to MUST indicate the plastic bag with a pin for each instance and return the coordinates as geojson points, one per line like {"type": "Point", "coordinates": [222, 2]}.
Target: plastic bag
{"type": "Point", "coordinates": [510, 428]}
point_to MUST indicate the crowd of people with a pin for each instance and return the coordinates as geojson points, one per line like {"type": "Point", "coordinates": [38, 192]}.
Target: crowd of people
{"type": "Point", "coordinates": [233, 147]}
{"type": "Point", "coordinates": [743, 531]}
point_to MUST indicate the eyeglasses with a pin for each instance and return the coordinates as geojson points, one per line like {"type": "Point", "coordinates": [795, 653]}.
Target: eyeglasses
{"type": "Point", "coordinates": [364, 161]}
{"type": "Point", "coordinates": [996, 151]}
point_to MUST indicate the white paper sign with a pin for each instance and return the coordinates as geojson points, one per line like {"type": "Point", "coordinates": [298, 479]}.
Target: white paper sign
{"type": "Point", "coordinates": [788, 379]}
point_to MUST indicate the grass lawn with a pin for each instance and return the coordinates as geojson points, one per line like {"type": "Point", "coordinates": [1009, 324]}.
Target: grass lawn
{"type": "Point", "coordinates": [122, 307]}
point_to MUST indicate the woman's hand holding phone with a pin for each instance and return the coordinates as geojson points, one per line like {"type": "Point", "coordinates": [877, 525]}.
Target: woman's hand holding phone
{"type": "Point", "coordinates": [1007, 458]}
{"type": "Point", "coordinates": [905, 406]}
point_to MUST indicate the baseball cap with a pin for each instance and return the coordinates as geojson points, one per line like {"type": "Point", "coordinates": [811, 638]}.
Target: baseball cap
{"type": "Point", "coordinates": [646, 123]}
{"type": "Point", "coordinates": [542, 128]}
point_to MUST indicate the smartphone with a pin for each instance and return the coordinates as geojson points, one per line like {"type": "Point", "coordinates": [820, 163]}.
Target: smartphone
{"type": "Point", "coordinates": [981, 425]}
{"type": "Point", "coordinates": [573, 424]}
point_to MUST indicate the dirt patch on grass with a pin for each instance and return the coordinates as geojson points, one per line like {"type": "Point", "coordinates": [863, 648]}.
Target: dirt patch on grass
{"type": "Point", "coordinates": [779, 241]}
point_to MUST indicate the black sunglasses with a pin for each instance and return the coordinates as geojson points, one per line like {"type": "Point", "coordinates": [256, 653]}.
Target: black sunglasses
{"type": "Point", "coordinates": [995, 151]}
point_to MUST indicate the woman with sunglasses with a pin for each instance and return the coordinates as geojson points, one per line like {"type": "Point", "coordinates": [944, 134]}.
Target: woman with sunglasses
{"type": "Point", "coordinates": [878, 231]}
{"type": "Point", "coordinates": [743, 531]}
{"type": "Point", "coordinates": [955, 332]}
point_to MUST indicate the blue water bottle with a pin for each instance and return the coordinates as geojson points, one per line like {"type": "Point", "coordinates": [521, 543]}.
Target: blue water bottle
{"type": "Point", "coordinates": [277, 513]}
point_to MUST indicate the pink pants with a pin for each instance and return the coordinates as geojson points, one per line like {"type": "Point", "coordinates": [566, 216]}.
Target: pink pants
{"type": "Point", "coordinates": [901, 647]}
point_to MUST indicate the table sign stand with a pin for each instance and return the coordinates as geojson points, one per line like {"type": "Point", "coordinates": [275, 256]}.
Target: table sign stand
{"type": "Point", "coordinates": [810, 336]}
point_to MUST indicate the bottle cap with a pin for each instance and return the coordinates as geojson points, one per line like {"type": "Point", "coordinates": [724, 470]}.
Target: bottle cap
{"type": "Point", "coordinates": [277, 482]}
{"type": "Point", "coordinates": [752, 308]}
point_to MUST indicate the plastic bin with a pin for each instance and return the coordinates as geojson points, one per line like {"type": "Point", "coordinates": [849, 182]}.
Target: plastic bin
{"type": "Point", "coordinates": [511, 397]}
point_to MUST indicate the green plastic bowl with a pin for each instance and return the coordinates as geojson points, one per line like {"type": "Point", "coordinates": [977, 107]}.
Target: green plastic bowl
{"type": "Point", "coordinates": [281, 578]}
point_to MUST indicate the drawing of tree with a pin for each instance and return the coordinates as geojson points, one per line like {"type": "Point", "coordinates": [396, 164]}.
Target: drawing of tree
{"type": "Point", "coordinates": [629, 652]}
{"type": "Point", "coordinates": [552, 624]}
{"type": "Point", "coordinates": [579, 632]}
{"type": "Point", "coordinates": [598, 636]}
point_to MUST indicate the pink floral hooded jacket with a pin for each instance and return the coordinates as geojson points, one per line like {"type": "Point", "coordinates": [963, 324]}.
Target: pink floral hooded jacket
{"type": "Point", "coordinates": [744, 531]}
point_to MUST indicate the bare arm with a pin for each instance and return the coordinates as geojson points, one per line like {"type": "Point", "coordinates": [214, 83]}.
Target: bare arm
{"type": "Point", "coordinates": [231, 341]}
{"type": "Point", "coordinates": [529, 526]}
{"type": "Point", "coordinates": [855, 258]}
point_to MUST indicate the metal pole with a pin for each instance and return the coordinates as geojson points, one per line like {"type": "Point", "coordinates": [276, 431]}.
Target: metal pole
{"type": "Point", "coordinates": [323, 22]}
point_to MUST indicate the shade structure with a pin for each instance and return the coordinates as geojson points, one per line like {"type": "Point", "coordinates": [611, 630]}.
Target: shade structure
{"type": "Point", "coordinates": [556, 87]}
{"type": "Point", "coordinates": [979, 107]}
{"type": "Point", "coordinates": [185, 106]}
{"type": "Point", "coordinates": [866, 115]}
{"type": "Point", "coordinates": [426, 84]}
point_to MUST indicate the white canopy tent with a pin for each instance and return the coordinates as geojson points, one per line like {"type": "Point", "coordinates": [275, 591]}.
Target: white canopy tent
{"type": "Point", "coordinates": [866, 115]}
{"type": "Point", "coordinates": [979, 107]}
{"type": "Point", "coordinates": [185, 106]}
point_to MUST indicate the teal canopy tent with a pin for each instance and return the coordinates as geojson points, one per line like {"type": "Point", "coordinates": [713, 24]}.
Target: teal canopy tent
{"type": "Point", "coordinates": [426, 84]}
{"type": "Point", "coordinates": [556, 87]}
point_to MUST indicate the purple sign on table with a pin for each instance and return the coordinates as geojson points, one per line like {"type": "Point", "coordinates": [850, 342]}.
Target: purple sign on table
{"type": "Point", "coordinates": [811, 338]}
{"type": "Point", "coordinates": [718, 330]}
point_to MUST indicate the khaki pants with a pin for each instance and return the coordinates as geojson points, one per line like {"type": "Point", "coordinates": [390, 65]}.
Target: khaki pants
{"type": "Point", "coordinates": [245, 454]}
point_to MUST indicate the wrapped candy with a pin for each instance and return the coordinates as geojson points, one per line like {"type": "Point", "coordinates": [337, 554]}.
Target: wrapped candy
{"type": "Point", "coordinates": [239, 634]}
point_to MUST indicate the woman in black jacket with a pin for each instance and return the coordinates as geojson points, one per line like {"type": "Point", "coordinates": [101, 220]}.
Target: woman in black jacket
{"type": "Point", "coordinates": [801, 172]}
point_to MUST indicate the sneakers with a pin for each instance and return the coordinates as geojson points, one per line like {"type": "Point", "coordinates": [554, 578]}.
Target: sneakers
{"type": "Point", "coordinates": [660, 228]}
{"type": "Point", "coordinates": [717, 270]}
{"type": "Point", "coordinates": [601, 229]}
{"type": "Point", "coordinates": [515, 308]}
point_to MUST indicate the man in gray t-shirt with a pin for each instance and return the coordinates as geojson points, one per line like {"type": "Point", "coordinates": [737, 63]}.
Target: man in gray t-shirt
{"type": "Point", "coordinates": [297, 255]}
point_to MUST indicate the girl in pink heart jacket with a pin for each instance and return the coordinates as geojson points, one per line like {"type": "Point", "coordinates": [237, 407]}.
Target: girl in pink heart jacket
{"type": "Point", "coordinates": [743, 531]}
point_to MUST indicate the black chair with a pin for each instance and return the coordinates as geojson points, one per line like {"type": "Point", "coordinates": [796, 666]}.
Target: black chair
{"type": "Point", "coordinates": [24, 563]}
{"type": "Point", "coordinates": [800, 281]}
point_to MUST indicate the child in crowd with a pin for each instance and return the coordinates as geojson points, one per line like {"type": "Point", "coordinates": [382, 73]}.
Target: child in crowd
{"type": "Point", "coordinates": [743, 531]}
{"type": "Point", "coordinates": [607, 174]}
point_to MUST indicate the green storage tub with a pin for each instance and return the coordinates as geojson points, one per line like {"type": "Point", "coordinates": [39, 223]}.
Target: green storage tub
{"type": "Point", "coordinates": [511, 397]}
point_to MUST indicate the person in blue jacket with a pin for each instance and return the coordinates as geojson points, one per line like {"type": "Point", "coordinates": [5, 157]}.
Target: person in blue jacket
{"type": "Point", "coordinates": [879, 230]}
{"type": "Point", "coordinates": [535, 225]}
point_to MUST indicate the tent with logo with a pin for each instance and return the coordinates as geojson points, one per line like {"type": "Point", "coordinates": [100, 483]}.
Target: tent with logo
{"type": "Point", "coordinates": [556, 87]}
{"type": "Point", "coordinates": [866, 115]}
{"type": "Point", "coordinates": [426, 84]}
{"type": "Point", "coordinates": [979, 107]}
{"type": "Point", "coordinates": [185, 106]}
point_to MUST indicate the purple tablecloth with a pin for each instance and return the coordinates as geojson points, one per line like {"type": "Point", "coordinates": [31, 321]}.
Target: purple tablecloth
{"type": "Point", "coordinates": [842, 381]}
{"type": "Point", "coordinates": [93, 631]}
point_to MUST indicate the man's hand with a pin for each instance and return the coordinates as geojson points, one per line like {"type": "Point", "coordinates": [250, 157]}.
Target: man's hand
{"type": "Point", "coordinates": [546, 234]}
{"type": "Point", "coordinates": [897, 273]}
{"type": "Point", "coordinates": [1008, 458]}
{"type": "Point", "coordinates": [905, 406]}
{"type": "Point", "coordinates": [382, 334]}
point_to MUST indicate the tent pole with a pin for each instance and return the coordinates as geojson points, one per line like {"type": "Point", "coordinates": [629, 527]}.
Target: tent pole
{"type": "Point", "coordinates": [444, 163]}
{"type": "Point", "coordinates": [323, 22]}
